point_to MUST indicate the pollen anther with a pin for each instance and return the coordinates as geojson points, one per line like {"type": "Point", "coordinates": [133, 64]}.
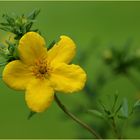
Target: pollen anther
{"type": "Point", "coordinates": [41, 69]}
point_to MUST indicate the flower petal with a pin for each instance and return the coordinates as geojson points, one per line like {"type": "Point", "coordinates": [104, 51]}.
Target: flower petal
{"type": "Point", "coordinates": [39, 95]}
{"type": "Point", "coordinates": [67, 78]}
{"type": "Point", "coordinates": [63, 51]}
{"type": "Point", "coordinates": [31, 47]}
{"type": "Point", "coordinates": [16, 75]}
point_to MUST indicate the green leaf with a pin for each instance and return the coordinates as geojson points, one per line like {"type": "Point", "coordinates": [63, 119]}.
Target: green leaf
{"type": "Point", "coordinates": [3, 64]}
{"type": "Point", "coordinates": [9, 19]}
{"type": "Point", "coordinates": [104, 108]}
{"type": "Point", "coordinates": [51, 44]}
{"type": "Point", "coordinates": [4, 24]}
{"type": "Point", "coordinates": [137, 103]}
{"type": "Point", "coordinates": [31, 114]}
{"type": "Point", "coordinates": [28, 26]}
{"type": "Point", "coordinates": [118, 109]}
{"type": "Point", "coordinates": [5, 29]}
{"type": "Point", "coordinates": [96, 113]}
{"type": "Point", "coordinates": [33, 14]}
{"type": "Point", "coordinates": [19, 25]}
{"type": "Point", "coordinates": [116, 96]}
{"type": "Point", "coordinates": [124, 108]}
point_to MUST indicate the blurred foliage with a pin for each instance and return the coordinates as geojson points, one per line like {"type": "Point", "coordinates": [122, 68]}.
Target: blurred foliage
{"type": "Point", "coordinates": [19, 25]}
{"type": "Point", "coordinates": [119, 61]}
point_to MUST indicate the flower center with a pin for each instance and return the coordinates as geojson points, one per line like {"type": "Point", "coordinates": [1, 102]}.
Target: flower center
{"type": "Point", "coordinates": [41, 69]}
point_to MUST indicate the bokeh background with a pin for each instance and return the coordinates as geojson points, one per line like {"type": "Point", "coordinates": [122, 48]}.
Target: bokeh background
{"type": "Point", "coordinates": [94, 26]}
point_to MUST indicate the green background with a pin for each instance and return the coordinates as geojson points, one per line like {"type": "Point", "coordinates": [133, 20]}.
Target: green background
{"type": "Point", "coordinates": [94, 26]}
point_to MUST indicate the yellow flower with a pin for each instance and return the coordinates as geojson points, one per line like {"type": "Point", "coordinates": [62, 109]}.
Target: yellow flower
{"type": "Point", "coordinates": [41, 72]}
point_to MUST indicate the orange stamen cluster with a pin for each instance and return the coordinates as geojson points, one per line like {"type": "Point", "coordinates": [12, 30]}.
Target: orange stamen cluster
{"type": "Point", "coordinates": [41, 68]}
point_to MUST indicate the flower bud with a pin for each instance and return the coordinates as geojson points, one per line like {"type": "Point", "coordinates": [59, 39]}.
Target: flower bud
{"type": "Point", "coordinates": [137, 53]}
{"type": "Point", "coordinates": [107, 55]}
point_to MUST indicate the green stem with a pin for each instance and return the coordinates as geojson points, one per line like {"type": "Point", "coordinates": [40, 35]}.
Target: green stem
{"type": "Point", "coordinates": [84, 125]}
{"type": "Point", "coordinates": [114, 127]}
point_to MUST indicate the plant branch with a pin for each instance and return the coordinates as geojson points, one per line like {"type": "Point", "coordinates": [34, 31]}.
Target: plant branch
{"type": "Point", "coordinates": [84, 125]}
{"type": "Point", "coordinates": [114, 127]}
